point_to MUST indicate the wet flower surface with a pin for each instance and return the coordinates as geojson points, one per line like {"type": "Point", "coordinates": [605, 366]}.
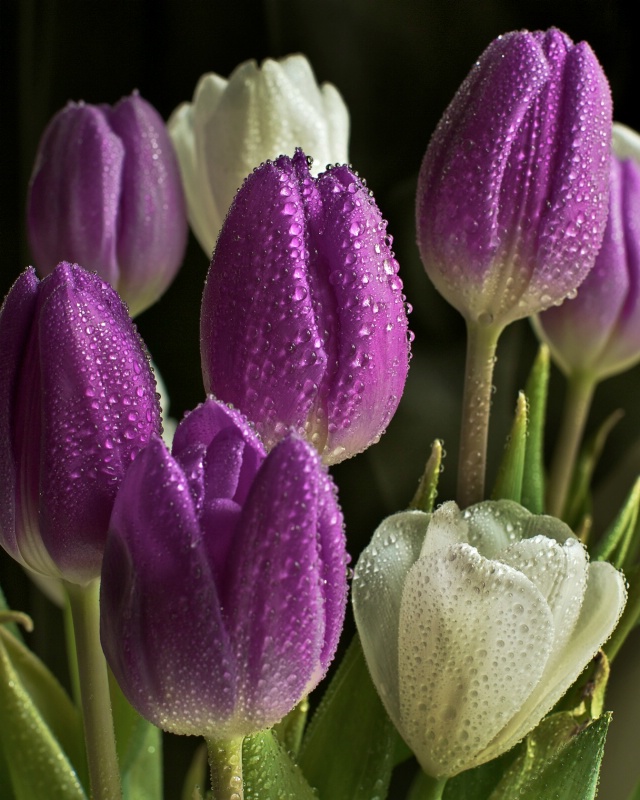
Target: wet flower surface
{"type": "Point", "coordinates": [234, 125]}
{"type": "Point", "coordinates": [78, 401]}
{"type": "Point", "coordinates": [475, 623]}
{"type": "Point", "coordinates": [511, 202]}
{"type": "Point", "coordinates": [597, 334]}
{"type": "Point", "coordinates": [106, 192]}
{"type": "Point", "coordinates": [303, 321]}
{"type": "Point", "coordinates": [224, 580]}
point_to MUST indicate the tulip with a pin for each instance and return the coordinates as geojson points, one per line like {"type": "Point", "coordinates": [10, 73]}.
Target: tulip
{"type": "Point", "coordinates": [106, 192]}
{"type": "Point", "coordinates": [234, 125]}
{"type": "Point", "coordinates": [598, 332]}
{"type": "Point", "coordinates": [303, 323]}
{"type": "Point", "coordinates": [78, 401]}
{"type": "Point", "coordinates": [511, 203]}
{"type": "Point", "coordinates": [475, 623]}
{"type": "Point", "coordinates": [224, 578]}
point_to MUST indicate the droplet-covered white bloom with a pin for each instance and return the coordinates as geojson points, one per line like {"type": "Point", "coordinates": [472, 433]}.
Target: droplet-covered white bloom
{"type": "Point", "coordinates": [474, 623]}
{"type": "Point", "coordinates": [233, 125]}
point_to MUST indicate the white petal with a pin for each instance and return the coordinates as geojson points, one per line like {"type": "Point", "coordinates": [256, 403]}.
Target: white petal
{"type": "Point", "coordinates": [473, 642]}
{"type": "Point", "coordinates": [559, 572]}
{"type": "Point", "coordinates": [446, 528]}
{"type": "Point", "coordinates": [626, 142]}
{"type": "Point", "coordinates": [377, 591]}
{"type": "Point", "coordinates": [604, 601]}
{"type": "Point", "coordinates": [337, 116]}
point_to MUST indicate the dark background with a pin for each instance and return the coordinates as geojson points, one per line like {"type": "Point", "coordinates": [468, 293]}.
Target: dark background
{"type": "Point", "coordinates": [397, 63]}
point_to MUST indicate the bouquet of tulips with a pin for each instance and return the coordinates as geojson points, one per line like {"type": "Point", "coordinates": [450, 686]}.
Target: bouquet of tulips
{"type": "Point", "coordinates": [205, 565]}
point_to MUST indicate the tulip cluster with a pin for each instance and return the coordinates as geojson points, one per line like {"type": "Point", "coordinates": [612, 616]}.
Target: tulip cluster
{"type": "Point", "coordinates": [475, 623]}
{"type": "Point", "coordinates": [224, 579]}
{"type": "Point", "coordinates": [303, 322]}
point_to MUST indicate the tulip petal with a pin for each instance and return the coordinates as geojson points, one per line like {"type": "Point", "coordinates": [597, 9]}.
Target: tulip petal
{"type": "Point", "coordinates": [280, 620]}
{"type": "Point", "coordinates": [369, 329]}
{"type": "Point", "coordinates": [98, 406]}
{"type": "Point", "coordinates": [377, 591]}
{"type": "Point", "coordinates": [603, 603]}
{"type": "Point", "coordinates": [474, 639]}
{"type": "Point", "coordinates": [86, 232]}
{"type": "Point", "coordinates": [16, 415]}
{"type": "Point", "coordinates": [559, 572]}
{"type": "Point", "coordinates": [151, 217]}
{"type": "Point", "coordinates": [157, 591]}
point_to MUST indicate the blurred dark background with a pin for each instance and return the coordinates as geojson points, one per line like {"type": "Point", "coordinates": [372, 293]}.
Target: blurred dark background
{"type": "Point", "coordinates": [397, 64]}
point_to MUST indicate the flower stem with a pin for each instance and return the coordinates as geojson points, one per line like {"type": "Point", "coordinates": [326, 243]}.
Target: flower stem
{"type": "Point", "coordinates": [99, 735]}
{"type": "Point", "coordinates": [432, 788]}
{"type": "Point", "coordinates": [225, 763]}
{"type": "Point", "coordinates": [580, 389]}
{"type": "Point", "coordinates": [476, 407]}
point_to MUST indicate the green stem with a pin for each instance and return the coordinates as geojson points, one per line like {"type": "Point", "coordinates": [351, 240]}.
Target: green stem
{"type": "Point", "coordinates": [225, 763]}
{"type": "Point", "coordinates": [476, 408]}
{"type": "Point", "coordinates": [580, 389]}
{"type": "Point", "coordinates": [94, 691]}
{"type": "Point", "coordinates": [432, 788]}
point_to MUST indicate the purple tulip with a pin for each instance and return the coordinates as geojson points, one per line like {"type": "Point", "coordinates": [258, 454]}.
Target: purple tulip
{"type": "Point", "coordinates": [597, 334]}
{"type": "Point", "coordinates": [77, 402]}
{"type": "Point", "coordinates": [224, 578]}
{"type": "Point", "coordinates": [106, 192]}
{"type": "Point", "coordinates": [511, 202]}
{"type": "Point", "coordinates": [303, 323]}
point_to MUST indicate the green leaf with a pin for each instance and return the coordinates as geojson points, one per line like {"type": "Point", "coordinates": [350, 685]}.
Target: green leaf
{"type": "Point", "coordinates": [195, 781]}
{"type": "Point", "coordinates": [35, 761]}
{"type": "Point", "coordinates": [508, 485]}
{"type": "Point", "coordinates": [269, 773]}
{"type": "Point", "coordinates": [560, 761]}
{"type": "Point", "coordinates": [351, 731]}
{"type": "Point", "coordinates": [139, 748]}
{"type": "Point", "coordinates": [51, 701]}
{"type": "Point", "coordinates": [536, 390]}
{"type": "Point", "coordinates": [614, 544]}
{"type": "Point", "coordinates": [579, 500]}
{"type": "Point", "coordinates": [12, 626]}
{"type": "Point", "coordinates": [478, 783]}
{"type": "Point", "coordinates": [635, 794]}
{"type": "Point", "coordinates": [425, 496]}
{"type": "Point", "coordinates": [291, 729]}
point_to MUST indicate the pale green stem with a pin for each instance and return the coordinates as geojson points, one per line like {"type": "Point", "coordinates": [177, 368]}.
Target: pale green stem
{"type": "Point", "coordinates": [433, 788]}
{"type": "Point", "coordinates": [580, 389]}
{"type": "Point", "coordinates": [99, 735]}
{"type": "Point", "coordinates": [476, 408]}
{"type": "Point", "coordinates": [225, 763]}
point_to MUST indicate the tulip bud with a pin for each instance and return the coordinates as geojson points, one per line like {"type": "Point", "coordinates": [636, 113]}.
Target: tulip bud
{"type": "Point", "coordinates": [475, 623]}
{"type": "Point", "coordinates": [303, 324]}
{"type": "Point", "coordinates": [233, 126]}
{"type": "Point", "coordinates": [77, 402]}
{"type": "Point", "coordinates": [106, 192]}
{"type": "Point", "coordinates": [597, 334]}
{"type": "Point", "coordinates": [511, 202]}
{"type": "Point", "coordinates": [224, 579]}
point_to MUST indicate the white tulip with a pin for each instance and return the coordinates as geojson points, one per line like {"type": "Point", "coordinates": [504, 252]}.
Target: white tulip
{"type": "Point", "coordinates": [474, 624]}
{"type": "Point", "coordinates": [234, 126]}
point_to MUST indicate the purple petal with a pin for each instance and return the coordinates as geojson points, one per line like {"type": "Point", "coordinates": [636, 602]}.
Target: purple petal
{"type": "Point", "coordinates": [16, 316]}
{"type": "Point", "coordinates": [161, 625]}
{"type": "Point", "coordinates": [278, 617]}
{"type": "Point", "coordinates": [213, 419]}
{"type": "Point", "coordinates": [367, 339]}
{"type": "Point", "coordinates": [74, 193]}
{"type": "Point", "coordinates": [98, 407]}
{"type": "Point", "coordinates": [267, 364]}
{"type": "Point", "coordinates": [152, 227]}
